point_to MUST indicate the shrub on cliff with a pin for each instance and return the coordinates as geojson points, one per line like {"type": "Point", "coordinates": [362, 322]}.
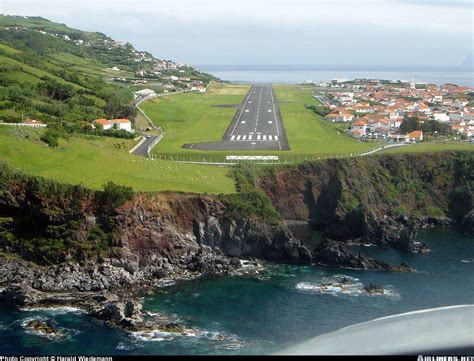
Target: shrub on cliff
{"type": "Point", "coordinates": [114, 195]}
{"type": "Point", "coordinates": [249, 201]}
{"type": "Point", "coordinates": [253, 203]}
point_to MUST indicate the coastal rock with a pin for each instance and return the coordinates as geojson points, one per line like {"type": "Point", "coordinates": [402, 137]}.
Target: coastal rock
{"type": "Point", "coordinates": [338, 254]}
{"type": "Point", "coordinates": [467, 225]}
{"type": "Point", "coordinates": [43, 328]}
{"type": "Point", "coordinates": [374, 289]}
{"type": "Point", "coordinates": [119, 311]}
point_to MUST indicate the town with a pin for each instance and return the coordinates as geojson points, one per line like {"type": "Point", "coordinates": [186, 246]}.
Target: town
{"type": "Point", "coordinates": [397, 111]}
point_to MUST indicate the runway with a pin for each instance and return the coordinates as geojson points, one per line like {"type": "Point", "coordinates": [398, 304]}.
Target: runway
{"type": "Point", "coordinates": [256, 125]}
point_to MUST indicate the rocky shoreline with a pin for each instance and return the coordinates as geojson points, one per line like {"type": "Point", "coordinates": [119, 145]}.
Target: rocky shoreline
{"type": "Point", "coordinates": [114, 257]}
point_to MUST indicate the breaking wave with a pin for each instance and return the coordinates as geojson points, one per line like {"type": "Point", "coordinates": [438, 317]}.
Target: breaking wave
{"type": "Point", "coordinates": [346, 285]}
{"type": "Point", "coordinates": [63, 333]}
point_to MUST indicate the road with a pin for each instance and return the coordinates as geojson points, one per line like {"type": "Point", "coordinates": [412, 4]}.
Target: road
{"type": "Point", "coordinates": [256, 125]}
{"type": "Point", "coordinates": [143, 148]}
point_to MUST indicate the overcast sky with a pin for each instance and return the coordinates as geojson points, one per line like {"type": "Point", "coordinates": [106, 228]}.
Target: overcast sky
{"type": "Point", "coordinates": [385, 32]}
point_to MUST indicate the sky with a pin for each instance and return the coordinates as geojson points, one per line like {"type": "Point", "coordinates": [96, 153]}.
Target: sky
{"type": "Point", "coordinates": [313, 32]}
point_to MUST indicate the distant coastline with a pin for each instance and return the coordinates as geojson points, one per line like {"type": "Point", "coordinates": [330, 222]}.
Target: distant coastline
{"type": "Point", "coordinates": [460, 75]}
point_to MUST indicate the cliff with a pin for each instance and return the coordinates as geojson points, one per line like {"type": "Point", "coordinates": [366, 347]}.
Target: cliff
{"type": "Point", "coordinates": [102, 250]}
{"type": "Point", "coordinates": [378, 199]}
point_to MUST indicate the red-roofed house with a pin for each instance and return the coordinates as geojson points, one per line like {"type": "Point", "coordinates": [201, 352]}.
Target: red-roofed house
{"type": "Point", "coordinates": [123, 124]}
{"type": "Point", "coordinates": [416, 135]}
{"type": "Point", "coordinates": [359, 128]}
{"type": "Point", "coordinates": [339, 117]}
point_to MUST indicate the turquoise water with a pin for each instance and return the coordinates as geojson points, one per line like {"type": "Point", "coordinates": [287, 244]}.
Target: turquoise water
{"type": "Point", "coordinates": [282, 305]}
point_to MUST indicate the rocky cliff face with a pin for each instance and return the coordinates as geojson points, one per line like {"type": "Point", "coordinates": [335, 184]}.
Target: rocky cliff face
{"type": "Point", "coordinates": [61, 245]}
{"type": "Point", "coordinates": [379, 199]}
{"type": "Point", "coordinates": [150, 238]}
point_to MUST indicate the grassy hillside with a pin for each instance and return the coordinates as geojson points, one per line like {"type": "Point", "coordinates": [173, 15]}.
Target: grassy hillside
{"type": "Point", "coordinates": [94, 161]}
{"type": "Point", "coordinates": [61, 75]}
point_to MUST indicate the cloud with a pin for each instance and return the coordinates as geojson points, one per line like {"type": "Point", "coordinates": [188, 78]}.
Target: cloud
{"type": "Point", "coordinates": [194, 29]}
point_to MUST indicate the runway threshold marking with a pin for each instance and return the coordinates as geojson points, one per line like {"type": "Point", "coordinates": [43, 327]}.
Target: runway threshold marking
{"type": "Point", "coordinates": [232, 138]}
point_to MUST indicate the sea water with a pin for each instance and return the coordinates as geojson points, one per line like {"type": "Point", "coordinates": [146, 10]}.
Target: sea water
{"type": "Point", "coordinates": [297, 74]}
{"type": "Point", "coordinates": [276, 307]}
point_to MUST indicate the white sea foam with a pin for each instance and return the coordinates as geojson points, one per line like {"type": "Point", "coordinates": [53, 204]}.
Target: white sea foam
{"type": "Point", "coordinates": [153, 335]}
{"type": "Point", "coordinates": [222, 340]}
{"type": "Point", "coordinates": [54, 310]}
{"type": "Point", "coordinates": [64, 333]}
{"type": "Point", "coordinates": [251, 268]}
{"type": "Point", "coordinates": [166, 282]}
{"type": "Point", "coordinates": [344, 285]}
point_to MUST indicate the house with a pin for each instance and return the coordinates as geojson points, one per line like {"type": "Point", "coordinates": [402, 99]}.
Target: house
{"type": "Point", "coordinates": [422, 108]}
{"type": "Point", "coordinates": [441, 117]}
{"type": "Point", "coordinates": [34, 123]}
{"type": "Point", "coordinates": [339, 117]}
{"type": "Point", "coordinates": [359, 128]}
{"type": "Point", "coordinates": [399, 138]}
{"type": "Point", "coordinates": [119, 124]}
{"type": "Point", "coordinates": [199, 88]}
{"type": "Point", "coordinates": [363, 108]}
{"type": "Point", "coordinates": [463, 128]}
{"type": "Point", "coordinates": [379, 126]}
{"type": "Point", "coordinates": [416, 135]}
{"type": "Point", "coordinates": [144, 93]}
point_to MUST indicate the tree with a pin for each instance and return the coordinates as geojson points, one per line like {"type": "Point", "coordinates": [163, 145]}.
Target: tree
{"type": "Point", "coordinates": [409, 124]}
{"type": "Point", "coordinates": [51, 138]}
{"type": "Point", "coordinates": [56, 90]}
{"type": "Point", "coordinates": [119, 104]}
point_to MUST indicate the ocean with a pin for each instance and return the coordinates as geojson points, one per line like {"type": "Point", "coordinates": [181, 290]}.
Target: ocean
{"type": "Point", "coordinates": [276, 308]}
{"type": "Point", "coordinates": [297, 74]}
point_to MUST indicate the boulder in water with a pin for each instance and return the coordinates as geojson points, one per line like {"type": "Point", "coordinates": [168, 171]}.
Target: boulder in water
{"type": "Point", "coordinates": [43, 328]}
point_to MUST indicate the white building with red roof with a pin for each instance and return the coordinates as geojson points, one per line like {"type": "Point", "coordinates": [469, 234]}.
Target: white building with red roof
{"type": "Point", "coordinates": [119, 124]}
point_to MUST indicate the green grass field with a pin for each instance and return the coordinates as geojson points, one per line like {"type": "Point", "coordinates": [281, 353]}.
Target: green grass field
{"type": "Point", "coordinates": [93, 161]}
{"type": "Point", "coordinates": [431, 147]}
{"type": "Point", "coordinates": [307, 132]}
{"type": "Point", "coordinates": [191, 118]}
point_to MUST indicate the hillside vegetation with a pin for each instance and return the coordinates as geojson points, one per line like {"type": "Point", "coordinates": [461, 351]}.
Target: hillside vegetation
{"type": "Point", "coordinates": [61, 75]}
